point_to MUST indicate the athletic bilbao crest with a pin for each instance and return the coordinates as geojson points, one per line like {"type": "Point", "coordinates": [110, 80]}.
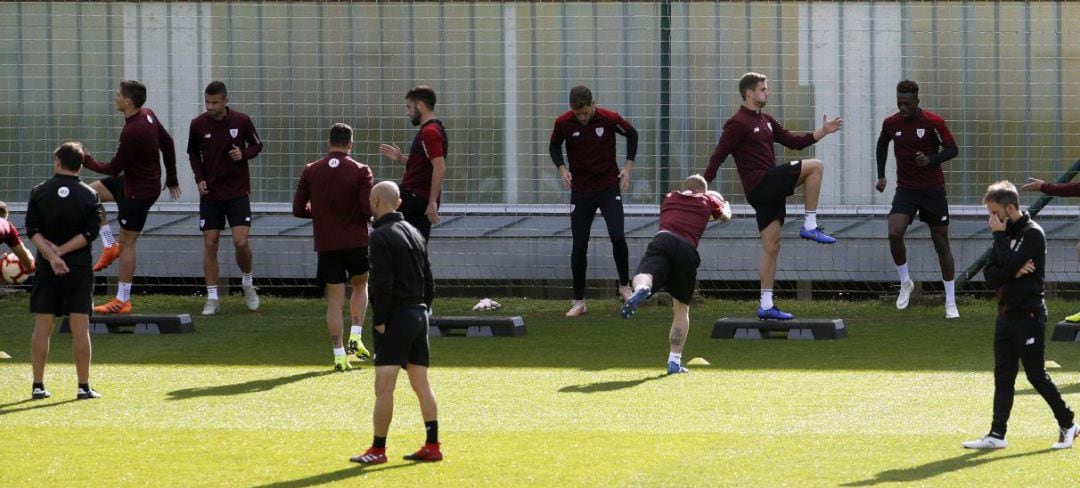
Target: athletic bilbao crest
{"type": "Point", "coordinates": [234, 133]}
{"type": "Point", "coordinates": [770, 125]}
{"type": "Point", "coordinates": [920, 132]}
{"type": "Point", "coordinates": [599, 132]}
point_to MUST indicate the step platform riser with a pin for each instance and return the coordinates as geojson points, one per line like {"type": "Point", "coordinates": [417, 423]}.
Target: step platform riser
{"type": "Point", "coordinates": [136, 324]}
{"type": "Point", "coordinates": [803, 330]}
{"type": "Point", "coordinates": [1066, 332]}
{"type": "Point", "coordinates": [477, 326]}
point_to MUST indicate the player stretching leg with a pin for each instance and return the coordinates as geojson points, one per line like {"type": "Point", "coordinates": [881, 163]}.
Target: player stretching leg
{"type": "Point", "coordinates": [749, 136]}
{"type": "Point", "coordinates": [671, 260]}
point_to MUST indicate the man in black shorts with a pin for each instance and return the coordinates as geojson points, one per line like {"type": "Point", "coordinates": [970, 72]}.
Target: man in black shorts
{"type": "Point", "coordinates": [748, 136]}
{"type": "Point", "coordinates": [671, 260]}
{"type": "Point", "coordinates": [134, 185]}
{"type": "Point", "coordinates": [401, 295]}
{"type": "Point", "coordinates": [221, 141]}
{"type": "Point", "coordinates": [922, 142]}
{"type": "Point", "coordinates": [62, 219]}
{"type": "Point", "coordinates": [333, 192]}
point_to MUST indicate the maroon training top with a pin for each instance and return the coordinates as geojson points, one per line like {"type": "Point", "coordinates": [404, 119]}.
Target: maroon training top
{"type": "Point", "coordinates": [924, 133]}
{"type": "Point", "coordinates": [429, 143]}
{"type": "Point", "coordinates": [209, 143]}
{"type": "Point", "coordinates": [749, 137]}
{"type": "Point", "coordinates": [1061, 189]}
{"type": "Point", "coordinates": [141, 139]}
{"type": "Point", "coordinates": [686, 213]}
{"type": "Point", "coordinates": [334, 192]}
{"type": "Point", "coordinates": [590, 148]}
{"type": "Point", "coordinates": [9, 234]}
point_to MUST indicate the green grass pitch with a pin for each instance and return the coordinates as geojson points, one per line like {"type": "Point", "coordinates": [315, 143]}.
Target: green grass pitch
{"type": "Point", "coordinates": [249, 400]}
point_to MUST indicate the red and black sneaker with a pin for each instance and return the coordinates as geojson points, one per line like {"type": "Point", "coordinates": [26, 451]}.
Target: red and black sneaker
{"type": "Point", "coordinates": [371, 456]}
{"type": "Point", "coordinates": [429, 453]}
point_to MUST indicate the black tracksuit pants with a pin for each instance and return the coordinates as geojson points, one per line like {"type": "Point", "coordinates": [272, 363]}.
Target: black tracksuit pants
{"type": "Point", "coordinates": [1021, 338]}
{"type": "Point", "coordinates": [581, 218]}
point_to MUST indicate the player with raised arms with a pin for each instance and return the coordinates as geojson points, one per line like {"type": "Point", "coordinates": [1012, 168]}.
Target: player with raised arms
{"type": "Point", "coordinates": [671, 261]}
{"type": "Point", "coordinates": [134, 185]}
{"type": "Point", "coordinates": [749, 136]}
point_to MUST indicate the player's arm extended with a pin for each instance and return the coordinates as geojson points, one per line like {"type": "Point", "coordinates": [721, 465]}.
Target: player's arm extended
{"type": "Point", "coordinates": [731, 136]}
{"type": "Point", "coordinates": [254, 143]}
{"type": "Point", "coordinates": [302, 197]}
{"type": "Point", "coordinates": [195, 153]}
{"type": "Point", "coordinates": [882, 153]}
{"type": "Point", "coordinates": [125, 153]}
{"type": "Point", "coordinates": [1061, 189]}
{"type": "Point", "coordinates": [25, 261]}
{"type": "Point", "coordinates": [168, 155]}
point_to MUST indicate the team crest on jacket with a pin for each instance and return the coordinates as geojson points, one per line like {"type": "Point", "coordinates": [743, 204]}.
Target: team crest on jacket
{"type": "Point", "coordinates": [334, 162]}
{"type": "Point", "coordinates": [599, 132]}
{"type": "Point", "coordinates": [920, 132]}
{"type": "Point", "coordinates": [234, 133]}
{"type": "Point", "coordinates": [770, 125]}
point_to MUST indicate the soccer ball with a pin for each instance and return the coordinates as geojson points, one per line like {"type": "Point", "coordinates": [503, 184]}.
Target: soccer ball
{"type": "Point", "coordinates": [727, 207]}
{"type": "Point", "coordinates": [11, 269]}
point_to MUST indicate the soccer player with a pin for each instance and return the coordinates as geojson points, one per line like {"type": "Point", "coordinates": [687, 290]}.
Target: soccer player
{"type": "Point", "coordinates": [62, 219]}
{"type": "Point", "coordinates": [425, 165]}
{"type": "Point", "coordinates": [9, 235]}
{"type": "Point", "coordinates": [1016, 270]}
{"type": "Point", "coordinates": [134, 185]}
{"type": "Point", "coordinates": [921, 142]}
{"type": "Point", "coordinates": [1057, 190]}
{"type": "Point", "coordinates": [221, 141]}
{"type": "Point", "coordinates": [401, 295]}
{"type": "Point", "coordinates": [749, 136]}
{"type": "Point", "coordinates": [333, 192]}
{"type": "Point", "coordinates": [595, 182]}
{"type": "Point", "coordinates": [671, 260]}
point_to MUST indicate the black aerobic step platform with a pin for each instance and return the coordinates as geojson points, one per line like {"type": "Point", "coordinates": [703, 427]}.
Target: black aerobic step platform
{"type": "Point", "coordinates": [1066, 331]}
{"type": "Point", "coordinates": [137, 324]}
{"type": "Point", "coordinates": [477, 326]}
{"type": "Point", "coordinates": [735, 328]}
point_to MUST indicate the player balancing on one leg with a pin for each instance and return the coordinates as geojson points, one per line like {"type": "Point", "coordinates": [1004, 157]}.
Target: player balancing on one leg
{"type": "Point", "coordinates": [921, 143]}
{"type": "Point", "coordinates": [221, 141]}
{"type": "Point", "coordinates": [1057, 190]}
{"type": "Point", "coordinates": [748, 136]}
{"type": "Point", "coordinates": [401, 295]}
{"type": "Point", "coordinates": [671, 260]}
{"type": "Point", "coordinates": [595, 182]}
{"type": "Point", "coordinates": [334, 193]}
{"type": "Point", "coordinates": [1016, 269]}
{"type": "Point", "coordinates": [134, 185]}
{"type": "Point", "coordinates": [9, 235]}
{"type": "Point", "coordinates": [62, 219]}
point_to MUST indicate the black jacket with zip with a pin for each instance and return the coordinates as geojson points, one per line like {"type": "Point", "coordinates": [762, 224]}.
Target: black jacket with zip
{"type": "Point", "coordinates": [1022, 240]}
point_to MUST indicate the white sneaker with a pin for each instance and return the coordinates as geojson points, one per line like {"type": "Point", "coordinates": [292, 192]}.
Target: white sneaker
{"type": "Point", "coordinates": [211, 307]}
{"type": "Point", "coordinates": [904, 299]}
{"type": "Point", "coordinates": [988, 442]}
{"type": "Point", "coordinates": [625, 292]}
{"type": "Point", "coordinates": [578, 308]}
{"type": "Point", "coordinates": [950, 311]}
{"type": "Point", "coordinates": [251, 297]}
{"type": "Point", "coordinates": [1066, 437]}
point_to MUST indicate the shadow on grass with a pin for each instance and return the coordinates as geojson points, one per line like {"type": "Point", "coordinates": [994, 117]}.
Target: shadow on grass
{"type": "Point", "coordinates": [929, 470]}
{"type": "Point", "coordinates": [1065, 390]}
{"type": "Point", "coordinates": [339, 475]}
{"type": "Point", "coordinates": [5, 408]}
{"type": "Point", "coordinates": [244, 388]}
{"type": "Point", "coordinates": [603, 386]}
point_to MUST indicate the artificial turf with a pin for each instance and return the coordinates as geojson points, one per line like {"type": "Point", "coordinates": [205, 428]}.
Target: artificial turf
{"type": "Point", "coordinates": [249, 400]}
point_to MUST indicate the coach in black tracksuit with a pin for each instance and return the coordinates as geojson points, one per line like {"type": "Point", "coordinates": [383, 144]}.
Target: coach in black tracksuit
{"type": "Point", "coordinates": [1016, 270]}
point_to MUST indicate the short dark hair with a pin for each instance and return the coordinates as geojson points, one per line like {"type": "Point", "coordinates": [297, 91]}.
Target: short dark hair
{"type": "Point", "coordinates": [3, 210]}
{"type": "Point", "coordinates": [580, 96]}
{"type": "Point", "coordinates": [217, 88]}
{"type": "Point", "coordinates": [340, 135]}
{"type": "Point", "coordinates": [750, 81]}
{"type": "Point", "coordinates": [1002, 193]}
{"type": "Point", "coordinates": [422, 93]}
{"type": "Point", "coordinates": [907, 86]}
{"type": "Point", "coordinates": [70, 155]}
{"type": "Point", "coordinates": [134, 91]}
